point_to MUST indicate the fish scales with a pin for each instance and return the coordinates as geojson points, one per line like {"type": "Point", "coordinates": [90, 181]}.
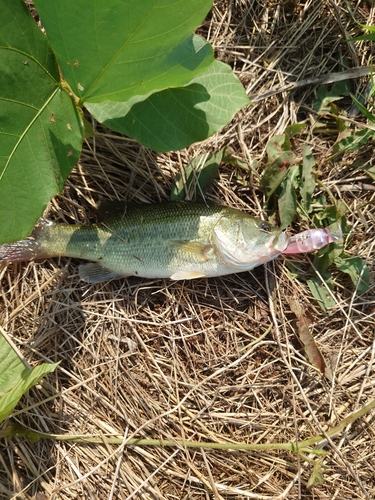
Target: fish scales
{"type": "Point", "coordinates": [144, 237]}
{"type": "Point", "coordinates": [175, 240]}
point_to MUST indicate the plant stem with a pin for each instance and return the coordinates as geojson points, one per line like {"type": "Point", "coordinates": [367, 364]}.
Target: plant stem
{"type": "Point", "coordinates": [15, 430]}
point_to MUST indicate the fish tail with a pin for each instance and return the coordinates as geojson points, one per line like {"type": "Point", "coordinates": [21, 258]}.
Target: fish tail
{"type": "Point", "coordinates": [28, 249]}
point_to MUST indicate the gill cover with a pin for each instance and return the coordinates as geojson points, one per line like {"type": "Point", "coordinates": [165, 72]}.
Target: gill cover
{"type": "Point", "coordinates": [242, 242]}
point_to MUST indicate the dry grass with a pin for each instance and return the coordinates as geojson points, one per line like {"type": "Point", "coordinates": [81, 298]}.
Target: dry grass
{"type": "Point", "coordinates": [207, 360]}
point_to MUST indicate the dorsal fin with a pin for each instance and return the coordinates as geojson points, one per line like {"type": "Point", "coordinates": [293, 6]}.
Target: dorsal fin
{"type": "Point", "coordinates": [108, 209]}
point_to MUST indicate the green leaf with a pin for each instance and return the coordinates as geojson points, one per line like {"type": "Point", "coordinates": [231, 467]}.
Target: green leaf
{"type": "Point", "coordinates": [229, 157]}
{"type": "Point", "coordinates": [370, 170]}
{"type": "Point", "coordinates": [295, 270]}
{"type": "Point", "coordinates": [295, 129]}
{"type": "Point", "coordinates": [197, 177]}
{"type": "Point", "coordinates": [321, 294]}
{"type": "Point", "coordinates": [308, 180]}
{"type": "Point", "coordinates": [363, 109]}
{"type": "Point", "coordinates": [368, 28]}
{"type": "Point", "coordinates": [287, 199]}
{"type": "Point", "coordinates": [41, 131]}
{"type": "Point", "coordinates": [175, 118]}
{"type": "Point", "coordinates": [353, 141]}
{"type": "Point", "coordinates": [275, 173]}
{"type": "Point", "coordinates": [369, 37]}
{"type": "Point", "coordinates": [356, 268]}
{"type": "Point", "coordinates": [113, 50]}
{"type": "Point", "coordinates": [16, 377]}
{"type": "Point", "coordinates": [277, 146]}
{"type": "Point", "coordinates": [316, 477]}
{"type": "Point", "coordinates": [88, 131]}
{"type": "Point", "coordinates": [329, 214]}
{"type": "Point", "coordinates": [325, 96]}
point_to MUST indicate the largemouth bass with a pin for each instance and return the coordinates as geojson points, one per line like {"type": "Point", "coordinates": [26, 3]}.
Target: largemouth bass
{"type": "Point", "coordinates": [176, 240]}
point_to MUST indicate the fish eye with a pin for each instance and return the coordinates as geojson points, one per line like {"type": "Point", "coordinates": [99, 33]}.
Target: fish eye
{"type": "Point", "coordinates": [264, 226]}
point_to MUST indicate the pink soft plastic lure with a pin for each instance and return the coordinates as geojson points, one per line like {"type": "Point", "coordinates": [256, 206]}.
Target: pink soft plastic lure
{"type": "Point", "coordinates": [314, 239]}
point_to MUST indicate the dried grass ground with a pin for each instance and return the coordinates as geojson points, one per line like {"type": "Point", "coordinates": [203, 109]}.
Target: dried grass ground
{"type": "Point", "coordinates": [206, 360]}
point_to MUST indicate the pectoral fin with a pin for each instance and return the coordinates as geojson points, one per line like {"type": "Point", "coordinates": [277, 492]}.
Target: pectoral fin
{"type": "Point", "coordinates": [199, 250]}
{"type": "Point", "coordinates": [187, 275]}
{"type": "Point", "coordinates": [95, 273]}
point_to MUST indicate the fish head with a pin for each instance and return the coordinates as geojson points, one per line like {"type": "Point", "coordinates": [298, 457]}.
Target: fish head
{"type": "Point", "coordinates": [245, 242]}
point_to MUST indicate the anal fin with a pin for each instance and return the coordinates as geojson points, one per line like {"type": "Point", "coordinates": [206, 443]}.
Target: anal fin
{"type": "Point", "coordinates": [95, 273]}
{"type": "Point", "coordinates": [187, 275]}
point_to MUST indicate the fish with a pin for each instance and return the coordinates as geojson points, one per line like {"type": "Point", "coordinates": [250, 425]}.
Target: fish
{"type": "Point", "coordinates": [176, 240]}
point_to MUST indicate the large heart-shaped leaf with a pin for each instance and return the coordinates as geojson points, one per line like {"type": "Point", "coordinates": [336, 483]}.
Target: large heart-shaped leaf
{"type": "Point", "coordinates": [111, 50]}
{"type": "Point", "coordinates": [40, 129]}
{"type": "Point", "coordinates": [16, 377]}
{"type": "Point", "coordinates": [175, 118]}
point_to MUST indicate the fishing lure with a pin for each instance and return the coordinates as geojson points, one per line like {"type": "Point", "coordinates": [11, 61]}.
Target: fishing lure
{"type": "Point", "coordinates": [314, 239]}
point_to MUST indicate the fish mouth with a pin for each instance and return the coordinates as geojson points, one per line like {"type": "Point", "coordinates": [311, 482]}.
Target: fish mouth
{"type": "Point", "coordinates": [280, 242]}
